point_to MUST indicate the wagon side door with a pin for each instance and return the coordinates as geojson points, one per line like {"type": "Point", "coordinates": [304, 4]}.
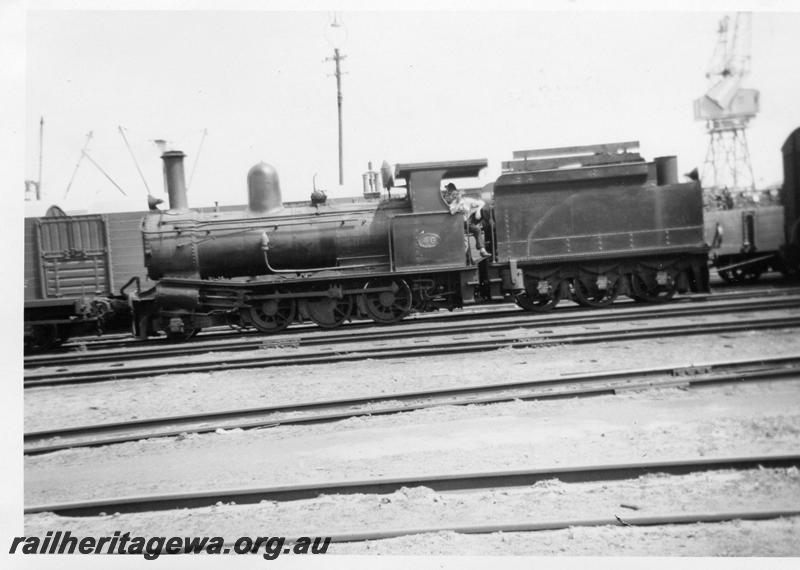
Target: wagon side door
{"type": "Point", "coordinates": [74, 257]}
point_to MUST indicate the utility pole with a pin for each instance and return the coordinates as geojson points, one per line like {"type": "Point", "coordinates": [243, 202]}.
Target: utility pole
{"type": "Point", "coordinates": [337, 58]}
{"type": "Point", "coordinates": [41, 146]}
{"type": "Point", "coordinates": [336, 35]}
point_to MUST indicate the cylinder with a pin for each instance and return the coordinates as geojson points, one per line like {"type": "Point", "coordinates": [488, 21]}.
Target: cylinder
{"type": "Point", "coordinates": [666, 170]}
{"type": "Point", "coordinates": [263, 189]}
{"type": "Point", "coordinates": [175, 179]}
{"type": "Point", "coordinates": [177, 296]}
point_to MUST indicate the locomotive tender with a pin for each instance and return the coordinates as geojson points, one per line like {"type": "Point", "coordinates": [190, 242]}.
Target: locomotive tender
{"type": "Point", "coordinates": [588, 223]}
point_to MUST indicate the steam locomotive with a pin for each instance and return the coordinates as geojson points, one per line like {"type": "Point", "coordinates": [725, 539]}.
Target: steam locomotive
{"type": "Point", "coordinates": [585, 223]}
{"type": "Point", "coordinates": [582, 223]}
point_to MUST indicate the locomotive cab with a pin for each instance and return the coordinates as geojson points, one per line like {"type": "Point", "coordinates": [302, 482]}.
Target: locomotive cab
{"type": "Point", "coordinates": [429, 235]}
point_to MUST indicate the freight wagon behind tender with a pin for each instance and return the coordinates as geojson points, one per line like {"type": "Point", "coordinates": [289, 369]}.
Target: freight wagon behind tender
{"type": "Point", "coordinates": [75, 271]}
{"type": "Point", "coordinates": [751, 239]}
{"type": "Point", "coordinates": [607, 224]}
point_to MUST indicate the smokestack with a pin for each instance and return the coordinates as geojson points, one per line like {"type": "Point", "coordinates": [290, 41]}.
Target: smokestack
{"type": "Point", "coordinates": [175, 180]}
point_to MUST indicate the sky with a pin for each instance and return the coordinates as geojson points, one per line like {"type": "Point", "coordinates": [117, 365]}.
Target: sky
{"type": "Point", "coordinates": [233, 88]}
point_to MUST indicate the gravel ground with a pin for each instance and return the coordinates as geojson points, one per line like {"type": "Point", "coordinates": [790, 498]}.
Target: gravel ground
{"type": "Point", "coordinates": [631, 426]}
{"type": "Point", "coordinates": [738, 538]}
{"type": "Point", "coordinates": [59, 406]}
{"type": "Point", "coordinates": [551, 500]}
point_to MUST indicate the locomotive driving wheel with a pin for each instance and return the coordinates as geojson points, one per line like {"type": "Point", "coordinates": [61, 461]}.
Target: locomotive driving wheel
{"type": "Point", "coordinates": [391, 304]}
{"type": "Point", "coordinates": [329, 313]}
{"type": "Point", "coordinates": [272, 315]}
{"type": "Point", "coordinates": [588, 294]}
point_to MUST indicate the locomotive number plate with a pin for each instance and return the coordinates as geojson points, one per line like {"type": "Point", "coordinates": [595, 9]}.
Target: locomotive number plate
{"type": "Point", "coordinates": [428, 240]}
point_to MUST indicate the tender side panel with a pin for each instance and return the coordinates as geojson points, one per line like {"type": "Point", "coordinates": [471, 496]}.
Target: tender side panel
{"type": "Point", "coordinates": [589, 219]}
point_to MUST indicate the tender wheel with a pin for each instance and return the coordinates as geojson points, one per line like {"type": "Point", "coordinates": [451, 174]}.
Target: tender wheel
{"type": "Point", "coordinates": [327, 312]}
{"type": "Point", "coordinates": [273, 315]}
{"type": "Point", "coordinates": [387, 306]}
{"type": "Point", "coordinates": [538, 302]}
{"type": "Point", "coordinates": [589, 295]}
{"type": "Point", "coordinates": [646, 289]}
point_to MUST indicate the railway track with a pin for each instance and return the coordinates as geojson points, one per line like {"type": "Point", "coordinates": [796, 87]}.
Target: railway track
{"type": "Point", "coordinates": [430, 342]}
{"type": "Point", "coordinates": [535, 526]}
{"type": "Point", "coordinates": [46, 441]}
{"type": "Point", "coordinates": [384, 485]}
{"type": "Point", "coordinates": [83, 347]}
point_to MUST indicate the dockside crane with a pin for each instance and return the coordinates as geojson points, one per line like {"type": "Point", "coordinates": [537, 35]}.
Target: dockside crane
{"type": "Point", "coordinates": [727, 108]}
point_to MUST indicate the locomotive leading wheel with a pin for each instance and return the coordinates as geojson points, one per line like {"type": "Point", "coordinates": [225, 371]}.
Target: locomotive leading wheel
{"type": "Point", "coordinates": [388, 306]}
{"type": "Point", "coordinates": [273, 315]}
{"type": "Point", "coordinates": [178, 334]}
{"type": "Point", "coordinates": [646, 289]}
{"type": "Point", "coordinates": [329, 313]}
{"type": "Point", "coordinates": [589, 295]}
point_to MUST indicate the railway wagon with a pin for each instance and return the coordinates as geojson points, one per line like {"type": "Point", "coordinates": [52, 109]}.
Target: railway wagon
{"type": "Point", "coordinates": [613, 225]}
{"type": "Point", "coordinates": [75, 272]}
{"type": "Point", "coordinates": [749, 240]}
{"type": "Point", "coordinates": [790, 198]}
{"type": "Point", "coordinates": [745, 241]}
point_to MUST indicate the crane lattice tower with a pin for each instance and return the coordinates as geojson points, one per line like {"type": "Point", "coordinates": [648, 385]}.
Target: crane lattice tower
{"type": "Point", "coordinates": [727, 109]}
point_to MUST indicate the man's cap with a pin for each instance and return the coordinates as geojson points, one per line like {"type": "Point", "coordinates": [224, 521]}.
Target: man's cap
{"type": "Point", "coordinates": [450, 187]}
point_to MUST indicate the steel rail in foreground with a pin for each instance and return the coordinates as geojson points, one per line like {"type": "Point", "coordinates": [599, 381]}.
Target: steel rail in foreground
{"type": "Point", "coordinates": [316, 337]}
{"type": "Point", "coordinates": [385, 485]}
{"type": "Point", "coordinates": [454, 346]}
{"type": "Point", "coordinates": [535, 526]}
{"type": "Point", "coordinates": [47, 441]}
